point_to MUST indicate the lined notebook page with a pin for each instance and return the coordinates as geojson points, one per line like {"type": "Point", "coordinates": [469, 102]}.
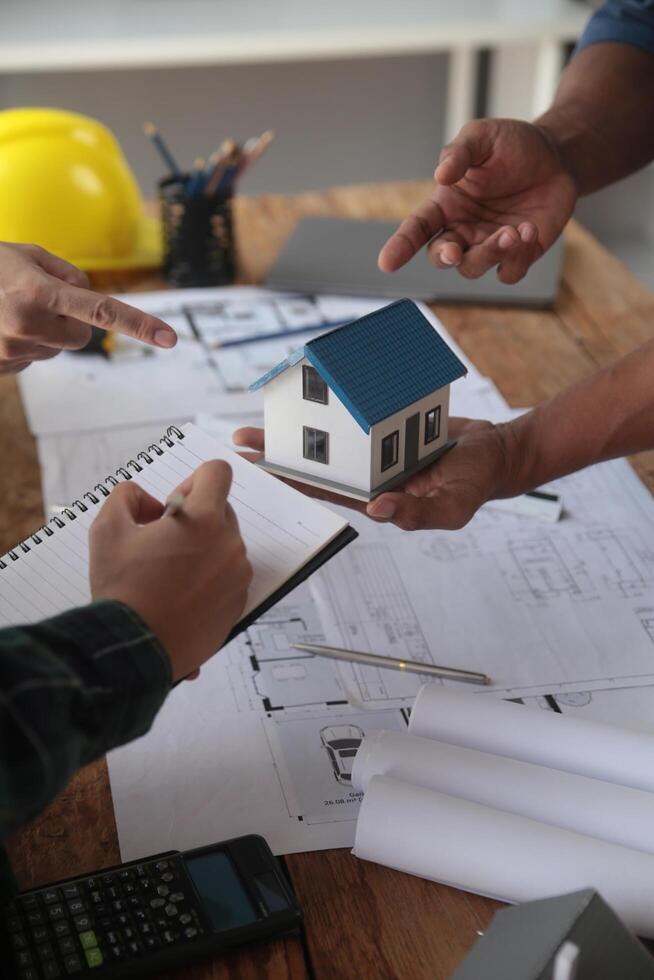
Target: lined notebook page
{"type": "Point", "coordinates": [281, 528]}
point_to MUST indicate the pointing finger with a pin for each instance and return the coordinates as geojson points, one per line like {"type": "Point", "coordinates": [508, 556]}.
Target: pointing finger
{"type": "Point", "coordinates": [110, 314]}
{"type": "Point", "coordinates": [413, 233]}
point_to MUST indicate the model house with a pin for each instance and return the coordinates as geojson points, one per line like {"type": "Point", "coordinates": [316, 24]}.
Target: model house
{"type": "Point", "coordinates": [361, 408]}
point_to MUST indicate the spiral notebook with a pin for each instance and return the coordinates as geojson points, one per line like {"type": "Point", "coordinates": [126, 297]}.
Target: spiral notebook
{"type": "Point", "coordinates": [287, 535]}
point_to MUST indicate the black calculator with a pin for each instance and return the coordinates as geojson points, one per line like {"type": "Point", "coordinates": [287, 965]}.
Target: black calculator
{"type": "Point", "coordinates": [149, 916]}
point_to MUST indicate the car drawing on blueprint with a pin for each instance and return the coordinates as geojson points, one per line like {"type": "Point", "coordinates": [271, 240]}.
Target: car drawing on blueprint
{"type": "Point", "coordinates": [341, 743]}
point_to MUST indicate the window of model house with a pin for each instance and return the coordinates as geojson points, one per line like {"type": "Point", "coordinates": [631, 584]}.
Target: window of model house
{"type": "Point", "coordinates": [315, 444]}
{"type": "Point", "coordinates": [432, 424]}
{"type": "Point", "coordinates": [389, 450]}
{"type": "Point", "coordinates": [314, 389]}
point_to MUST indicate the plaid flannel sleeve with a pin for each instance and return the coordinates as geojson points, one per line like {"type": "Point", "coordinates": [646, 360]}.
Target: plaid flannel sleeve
{"type": "Point", "coordinates": [71, 688]}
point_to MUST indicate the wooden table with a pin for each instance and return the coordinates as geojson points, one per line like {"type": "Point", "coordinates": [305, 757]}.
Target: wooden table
{"type": "Point", "coordinates": [361, 920]}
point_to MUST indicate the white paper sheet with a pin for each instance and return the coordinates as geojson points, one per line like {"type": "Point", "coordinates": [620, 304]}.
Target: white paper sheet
{"type": "Point", "coordinates": [492, 852]}
{"type": "Point", "coordinates": [613, 813]}
{"type": "Point", "coordinates": [585, 747]}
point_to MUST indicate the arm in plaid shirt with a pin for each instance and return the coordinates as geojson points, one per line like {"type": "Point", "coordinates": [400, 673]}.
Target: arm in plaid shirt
{"type": "Point", "coordinates": [71, 688]}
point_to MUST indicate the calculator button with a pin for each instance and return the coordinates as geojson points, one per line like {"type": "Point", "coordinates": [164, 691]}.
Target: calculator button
{"type": "Point", "coordinates": [116, 953]}
{"type": "Point", "coordinates": [185, 918]}
{"type": "Point", "coordinates": [88, 939]}
{"type": "Point", "coordinates": [171, 911]}
{"type": "Point", "coordinates": [29, 902]}
{"type": "Point", "coordinates": [162, 865]}
{"type": "Point", "coordinates": [67, 946]}
{"type": "Point", "coordinates": [129, 888]}
{"type": "Point", "coordinates": [112, 892]}
{"type": "Point", "coordinates": [36, 918]}
{"type": "Point", "coordinates": [91, 884]}
{"type": "Point", "coordinates": [118, 906]}
{"type": "Point", "coordinates": [177, 897]}
{"type": "Point", "coordinates": [140, 870]}
{"type": "Point", "coordinates": [146, 885]}
{"type": "Point", "coordinates": [93, 957]}
{"type": "Point", "coordinates": [163, 890]}
{"type": "Point", "coordinates": [135, 947]}
{"type": "Point", "coordinates": [73, 964]}
{"type": "Point", "coordinates": [150, 942]}
{"type": "Point", "coordinates": [106, 922]}
{"type": "Point", "coordinates": [14, 924]}
{"type": "Point", "coordinates": [50, 970]}
{"type": "Point", "coordinates": [19, 940]}
{"type": "Point", "coordinates": [167, 876]}
{"type": "Point", "coordinates": [128, 933]}
{"type": "Point", "coordinates": [157, 903]}
{"type": "Point", "coordinates": [96, 898]}
{"type": "Point", "coordinates": [75, 906]}
{"type": "Point", "coordinates": [191, 932]}
{"type": "Point", "coordinates": [55, 912]}
{"type": "Point", "coordinates": [70, 891]}
{"type": "Point", "coordinates": [61, 928]}
{"type": "Point", "coordinates": [24, 957]}
{"type": "Point", "coordinates": [122, 920]}
{"type": "Point", "coordinates": [45, 951]}
{"type": "Point", "coordinates": [145, 929]}
{"type": "Point", "coordinates": [107, 880]}
{"type": "Point", "coordinates": [168, 936]}
{"type": "Point", "coordinates": [51, 895]}
{"type": "Point", "coordinates": [126, 874]}
{"type": "Point", "coordinates": [30, 973]}
{"type": "Point", "coordinates": [135, 902]}
{"type": "Point", "coordinates": [82, 923]}
{"type": "Point", "coordinates": [40, 934]}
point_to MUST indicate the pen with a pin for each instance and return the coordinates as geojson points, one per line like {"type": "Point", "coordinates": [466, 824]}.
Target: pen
{"type": "Point", "coordinates": [174, 504]}
{"type": "Point", "coordinates": [393, 663]}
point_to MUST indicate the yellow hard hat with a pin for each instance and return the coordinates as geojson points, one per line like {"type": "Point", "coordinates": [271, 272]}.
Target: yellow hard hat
{"type": "Point", "coordinates": [65, 185]}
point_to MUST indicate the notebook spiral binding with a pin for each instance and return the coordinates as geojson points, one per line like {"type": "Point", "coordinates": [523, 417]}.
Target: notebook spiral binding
{"type": "Point", "coordinates": [67, 515]}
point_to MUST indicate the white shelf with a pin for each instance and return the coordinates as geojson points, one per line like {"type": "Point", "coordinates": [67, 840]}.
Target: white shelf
{"type": "Point", "coordinates": [76, 35]}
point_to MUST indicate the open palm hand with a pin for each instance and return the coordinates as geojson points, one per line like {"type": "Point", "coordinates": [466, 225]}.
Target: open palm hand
{"type": "Point", "coordinates": [502, 196]}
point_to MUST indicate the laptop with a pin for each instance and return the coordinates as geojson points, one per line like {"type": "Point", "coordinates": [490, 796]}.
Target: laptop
{"type": "Point", "coordinates": [339, 255]}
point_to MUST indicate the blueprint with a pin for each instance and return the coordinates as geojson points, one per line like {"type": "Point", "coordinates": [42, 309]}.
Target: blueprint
{"type": "Point", "coordinates": [559, 615]}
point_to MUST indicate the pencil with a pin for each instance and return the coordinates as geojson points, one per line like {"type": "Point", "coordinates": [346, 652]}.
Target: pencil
{"type": "Point", "coordinates": [224, 160]}
{"type": "Point", "coordinates": [255, 338]}
{"type": "Point", "coordinates": [197, 179]}
{"type": "Point", "coordinates": [151, 130]}
{"type": "Point", "coordinates": [393, 663]}
{"type": "Point", "coordinates": [174, 504]}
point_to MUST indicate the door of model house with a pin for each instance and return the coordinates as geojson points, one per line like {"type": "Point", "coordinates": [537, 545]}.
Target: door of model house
{"type": "Point", "coordinates": [411, 437]}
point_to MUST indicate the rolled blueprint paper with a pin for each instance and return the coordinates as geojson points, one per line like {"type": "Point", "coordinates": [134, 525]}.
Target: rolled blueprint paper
{"type": "Point", "coordinates": [502, 855]}
{"type": "Point", "coordinates": [589, 748]}
{"type": "Point", "coordinates": [607, 811]}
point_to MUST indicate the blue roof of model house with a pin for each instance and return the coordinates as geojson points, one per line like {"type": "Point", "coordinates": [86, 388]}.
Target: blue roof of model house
{"type": "Point", "coordinates": [379, 364]}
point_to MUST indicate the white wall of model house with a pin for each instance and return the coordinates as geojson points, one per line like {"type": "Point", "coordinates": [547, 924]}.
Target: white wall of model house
{"type": "Point", "coordinates": [354, 456]}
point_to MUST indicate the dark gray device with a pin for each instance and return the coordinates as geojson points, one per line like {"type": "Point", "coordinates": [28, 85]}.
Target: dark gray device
{"type": "Point", "coordinates": [338, 255]}
{"type": "Point", "coordinates": [523, 942]}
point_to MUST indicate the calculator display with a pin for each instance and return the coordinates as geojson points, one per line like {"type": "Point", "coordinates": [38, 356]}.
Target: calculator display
{"type": "Point", "coordinates": [225, 900]}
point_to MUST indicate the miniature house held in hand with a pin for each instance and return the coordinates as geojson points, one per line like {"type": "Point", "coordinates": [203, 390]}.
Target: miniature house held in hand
{"type": "Point", "coordinates": [361, 408]}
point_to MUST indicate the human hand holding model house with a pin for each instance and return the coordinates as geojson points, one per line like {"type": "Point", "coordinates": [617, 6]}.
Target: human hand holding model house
{"type": "Point", "coordinates": [607, 415]}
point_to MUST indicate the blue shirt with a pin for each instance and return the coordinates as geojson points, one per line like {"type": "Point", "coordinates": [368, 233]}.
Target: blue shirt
{"type": "Point", "coordinates": [623, 21]}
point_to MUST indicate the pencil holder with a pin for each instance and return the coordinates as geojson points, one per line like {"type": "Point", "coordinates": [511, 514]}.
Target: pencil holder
{"type": "Point", "coordinates": [198, 233]}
